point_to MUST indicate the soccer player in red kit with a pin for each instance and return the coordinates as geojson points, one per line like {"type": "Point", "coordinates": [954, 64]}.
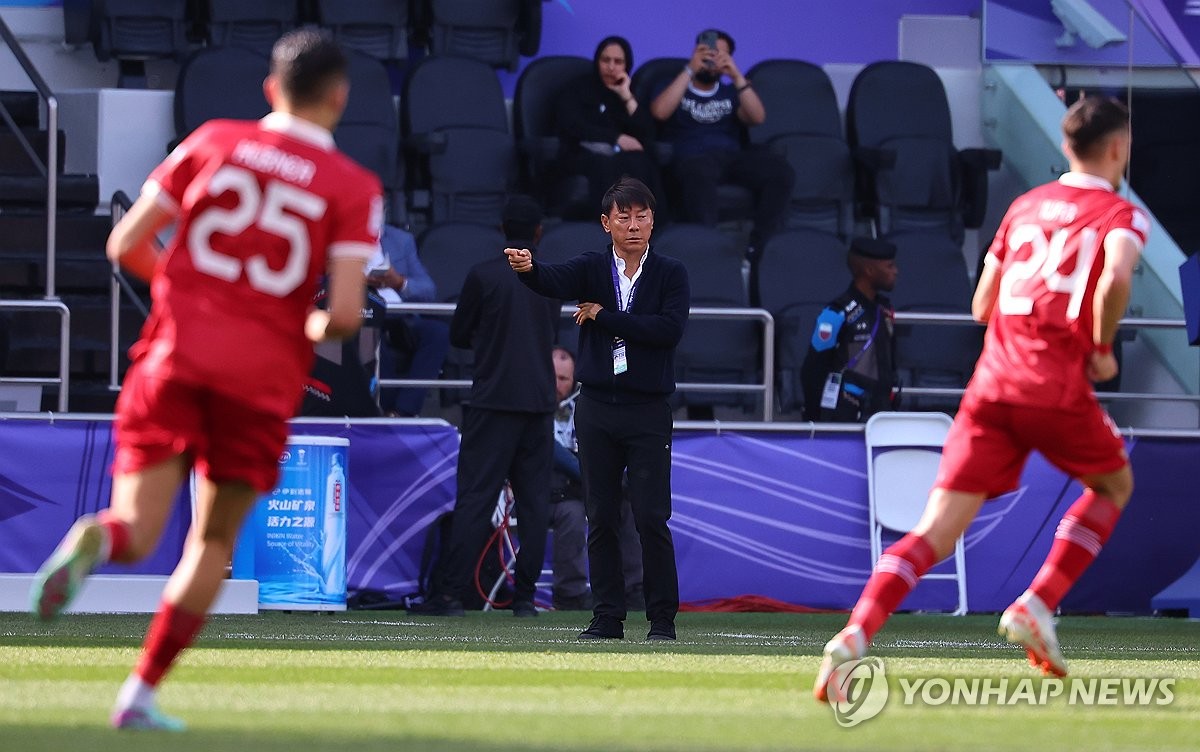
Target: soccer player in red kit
{"type": "Point", "coordinates": [262, 210]}
{"type": "Point", "coordinates": [1054, 286]}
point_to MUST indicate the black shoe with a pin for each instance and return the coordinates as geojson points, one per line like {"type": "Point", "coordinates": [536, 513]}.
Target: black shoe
{"type": "Point", "coordinates": [604, 628]}
{"type": "Point", "coordinates": [661, 629]}
{"type": "Point", "coordinates": [438, 605]}
{"type": "Point", "coordinates": [524, 609]}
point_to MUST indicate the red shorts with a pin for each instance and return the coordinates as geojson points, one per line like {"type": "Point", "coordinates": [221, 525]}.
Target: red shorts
{"type": "Point", "coordinates": [989, 442]}
{"type": "Point", "coordinates": [226, 440]}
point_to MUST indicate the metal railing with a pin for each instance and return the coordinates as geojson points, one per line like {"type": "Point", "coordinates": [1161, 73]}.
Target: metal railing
{"type": "Point", "coordinates": [118, 285]}
{"type": "Point", "coordinates": [960, 319]}
{"type": "Point", "coordinates": [64, 350]}
{"type": "Point", "coordinates": [766, 387]}
{"type": "Point", "coordinates": [49, 168]}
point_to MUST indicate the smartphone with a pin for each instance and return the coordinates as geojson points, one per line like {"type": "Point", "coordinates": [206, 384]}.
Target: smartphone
{"type": "Point", "coordinates": [709, 40]}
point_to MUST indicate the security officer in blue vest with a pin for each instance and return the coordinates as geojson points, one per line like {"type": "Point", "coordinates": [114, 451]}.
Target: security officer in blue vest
{"type": "Point", "coordinates": [850, 370]}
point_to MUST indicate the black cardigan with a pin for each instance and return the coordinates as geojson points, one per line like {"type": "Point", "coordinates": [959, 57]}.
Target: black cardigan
{"type": "Point", "coordinates": [651, 329]}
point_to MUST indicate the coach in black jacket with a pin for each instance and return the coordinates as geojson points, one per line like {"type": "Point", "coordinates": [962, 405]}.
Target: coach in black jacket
{"type": "Point", "coordinates": [508, 423]}
{"type": "Point", "coordinates": [632, 312]}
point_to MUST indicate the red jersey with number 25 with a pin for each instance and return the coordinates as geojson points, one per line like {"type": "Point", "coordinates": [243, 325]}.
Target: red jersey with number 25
{"type": "Point", "coordinates": [260, 207]}
{"type": "Point", "coordinates": [1050, 252]}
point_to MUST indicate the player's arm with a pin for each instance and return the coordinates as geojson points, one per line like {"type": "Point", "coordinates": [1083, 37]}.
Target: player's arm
{"type": "Point", "coordinates": [986, 292]}
{"type": "Point", "coordinates": [1121, 251]}
{"type": "Point", "coordinates": [133, 241]}
{"type": "Point", "coordinates": [346, 287]}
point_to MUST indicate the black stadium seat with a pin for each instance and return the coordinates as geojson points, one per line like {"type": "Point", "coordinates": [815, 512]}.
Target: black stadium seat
{"type": "Point", "coordinates": [219, 82]}
{"type": "Point", "coordinates": [536, 131]}
{"type": "Point", "coordinates": [800, 272]}
{"type": "Point", "coordinates": [368, 131]}
{"type": "Point", "coordinates": [455, 118]}
{"type": "Point", "coordinates": [913, 178]}
{"type": "Point", "coordinates": [713, 350]}
{"type": "Point", "coordinates": [378, 28]}
{"type": "Point", "coordinates": [252, 24]}
{"type": "Point", "coordinates": [804, 125]}
{"type": "Point", "coordinates": [484, 30]}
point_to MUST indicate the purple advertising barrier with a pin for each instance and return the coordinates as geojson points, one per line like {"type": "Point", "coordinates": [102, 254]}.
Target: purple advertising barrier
{"type": "Point", "coordinates": [785, 516]}
{"type": "Point", "coordinates": [782, 515]}
{"type": "Point", "coordinates": [402, 477]}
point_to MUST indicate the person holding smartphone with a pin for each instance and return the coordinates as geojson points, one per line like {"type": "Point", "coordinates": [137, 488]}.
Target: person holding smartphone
{"type": "Point", "coordinates": [704, 110]}
{"type": "Point", "coordinates": [605, 132]}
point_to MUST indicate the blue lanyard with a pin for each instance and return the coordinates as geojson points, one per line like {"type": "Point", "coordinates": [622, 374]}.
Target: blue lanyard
{"type": "Point", "coordinates": [621, 303]}
{"type": "Point", "coordinates": [870, 340]}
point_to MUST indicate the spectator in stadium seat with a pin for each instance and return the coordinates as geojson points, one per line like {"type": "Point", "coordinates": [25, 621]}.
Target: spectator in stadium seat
{"type": "Point", "coordinates": [567, 516]}
{"type": "Point", "coordinates": [605, 131]}
{"type": "Point", "coordinates": [849, 373]}
{"type": "Point", "coordinates": [705, 117]}
{"type": "Point", "coordinates": [415, 346]}
{"type": "Point", "coordinates": [508, 423]}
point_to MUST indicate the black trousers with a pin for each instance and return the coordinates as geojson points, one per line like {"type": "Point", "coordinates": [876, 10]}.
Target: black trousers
{"type": "Point", "coordinates": [767, 176]}
{"type": "Point", "coordinates": [498, 444]}
{"type": "Point", "coordinates": [613, 438]}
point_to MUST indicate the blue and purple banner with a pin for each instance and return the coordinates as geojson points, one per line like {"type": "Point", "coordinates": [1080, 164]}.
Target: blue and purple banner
{"type": "Point", "coordinates": [777, 514]}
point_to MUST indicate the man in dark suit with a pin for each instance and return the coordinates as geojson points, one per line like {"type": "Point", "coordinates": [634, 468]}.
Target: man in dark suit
{"type": "Point", "coordinates": [508, 423]}
{"type": "Point", "coordinates": [632, 312]}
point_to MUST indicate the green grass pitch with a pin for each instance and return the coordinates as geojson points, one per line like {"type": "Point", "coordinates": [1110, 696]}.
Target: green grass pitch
{"type": "Point", "coordinates": [380, 680]}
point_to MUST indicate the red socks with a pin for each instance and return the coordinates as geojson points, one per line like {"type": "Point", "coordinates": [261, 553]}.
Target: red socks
{"type": "Point", "coordinates": [896, 573]}
{"type": "Point", "coordinates": [1083, 531]}
{"type": "Point", "coordinates": [171, 630]}
{"type": "Point", "coordinates": [118, 535]}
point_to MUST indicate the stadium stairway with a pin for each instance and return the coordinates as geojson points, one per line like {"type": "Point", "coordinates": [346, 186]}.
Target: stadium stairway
{"type": "Point", "coordinates": [82, 272]}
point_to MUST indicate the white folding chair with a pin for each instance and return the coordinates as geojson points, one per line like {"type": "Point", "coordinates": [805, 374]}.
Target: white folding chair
{"type": "Point", "coordinates": [903, 452]}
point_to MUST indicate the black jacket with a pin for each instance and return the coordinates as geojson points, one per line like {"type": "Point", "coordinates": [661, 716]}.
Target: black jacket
{"type": "Point", "coordinates": [511, 329]}
{"type": "Point", "coordinates": [844, 328]}
{"type": "Point", "coordinates": [651, 329]}
{"type": "Point", "coordinates": [590, 111]}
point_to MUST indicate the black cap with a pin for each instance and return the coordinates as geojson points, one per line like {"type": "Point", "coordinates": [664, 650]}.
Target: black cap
{"type": "Point", "coordinates": [523, 210]}
{"type": "Point", "coordinates": [873, 248]}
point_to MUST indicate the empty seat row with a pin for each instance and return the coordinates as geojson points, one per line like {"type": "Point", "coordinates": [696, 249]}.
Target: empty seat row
{"type": "Point", "coordinates": [496, 32]}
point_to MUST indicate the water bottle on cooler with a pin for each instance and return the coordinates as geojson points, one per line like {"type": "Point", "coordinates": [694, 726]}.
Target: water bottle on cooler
{"type": "Point", "coordinates": [333, 545]}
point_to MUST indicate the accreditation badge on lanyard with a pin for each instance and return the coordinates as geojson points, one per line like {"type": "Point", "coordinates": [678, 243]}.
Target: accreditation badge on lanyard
{"type": "Point", "coordinates": [619, 354]}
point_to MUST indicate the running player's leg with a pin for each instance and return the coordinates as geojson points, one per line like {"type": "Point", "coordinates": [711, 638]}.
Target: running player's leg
{"type": "Point", "coordinates": [189, 594]}
{"type": "Point", "coordinates": [156, 423]}
{"type": "Point", "coordinates": [979, 459]}
{"type": "Point", "coordinates": [1085, 445]}
{"type": "Point", "coordinates": [899, 569]}
{"type": "Point", "coordinates": [126, 532]}
{"type": "Point", "coordinates": [238, 461]}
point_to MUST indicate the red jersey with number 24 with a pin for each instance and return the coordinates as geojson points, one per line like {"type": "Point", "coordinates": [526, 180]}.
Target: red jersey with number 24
{"type": "Point", "coordinates": [1050, 252]}
{"type": "Point", "coordinates": [260, 207]}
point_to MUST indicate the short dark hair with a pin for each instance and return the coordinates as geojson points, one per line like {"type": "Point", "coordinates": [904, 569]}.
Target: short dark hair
{"type": "Point", "coordinates": [521, 217]}
{"type": "Point", "coordinates": [621, 42]}
{"type": "Point", "coordinates": [306, 62]}
{"type": "Point", "coordinates": [1090, 121]}
{"type": "Point", "coordinates": [720, 35]}
{"type": "Point", "coordinates": [625, 194]}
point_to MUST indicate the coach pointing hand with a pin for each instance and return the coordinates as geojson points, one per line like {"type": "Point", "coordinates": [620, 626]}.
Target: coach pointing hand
{"type": "Point", "coordinates": [633, 307]}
